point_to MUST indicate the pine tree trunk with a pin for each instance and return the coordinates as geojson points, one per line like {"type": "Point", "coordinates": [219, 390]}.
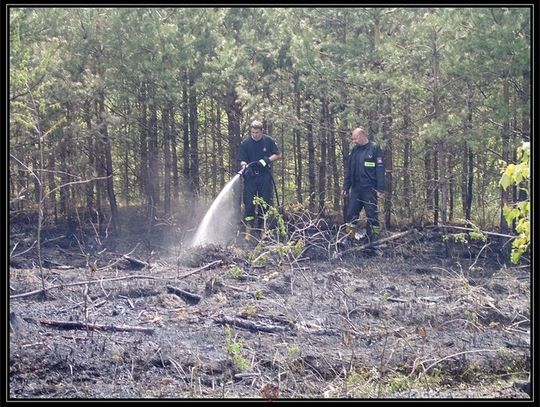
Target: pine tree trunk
{"type": "Point", "coordinates": [387, 120]}
{"type": "Point", "coordinates": [407, 153]}
{"type": "Point", "coordinates": [311, 161]}
{"type": "Point", "coordinates": [115, 225]}
{"type": "Point", "coordinates": [143, 141]}
{"type": "Point", "coordinates": [323, 137]}
{"type": "Point", "coordinates": [165, 118]}
{"type": "Point", "coordinates": [298, 165]}
{"type": "Point", "coordinates": [505, 147]}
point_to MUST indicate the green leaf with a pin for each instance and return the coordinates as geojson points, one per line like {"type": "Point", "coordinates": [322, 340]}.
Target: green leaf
{"type": "Point", "coordinates": [505, 181]}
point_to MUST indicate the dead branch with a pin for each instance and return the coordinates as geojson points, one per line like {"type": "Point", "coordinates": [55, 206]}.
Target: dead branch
{"type": "Point", "coordinates": [118, 260]}
{"type": "Point", "coordinates": [30, 293]}
{"type": "Point", "coordinates": [96, 327]}
{"type": "Point", "coordinates": [470, 230]}
{"type": "Point", "coordinates": [201, 268]}
{"type": "Point", "coordinates": [453, 356]}
{"type": "Point", "coordinates": [252, 326]}
{"type": "Point", "coordinates": [186, 295]}
{"type": "Point", "coordinates": [378, 242]}
{"type": "Point", "coordinates": [53, 264]}
{"type": "Point", "coordinates": [137, 262]}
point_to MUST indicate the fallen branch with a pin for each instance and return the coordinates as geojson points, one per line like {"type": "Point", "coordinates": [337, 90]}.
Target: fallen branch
{"type": "Point", "coordinates": [186, 295]}
{"type": "Point", "coordinates": [201, 268]}
{"type": "Point", "coordinates": [41, 290]}
{"type": "Point", "coordinates": [252, 326]}
{"type": "Point", "coordinates": [58, 266]}
{"type": "Point", "coordinates": [118, 260]}
{"type": "Point", "coordinates": [96, 327]}
{"type": "Point", "coordinates": [137, 262]}
{"type": "Point", "coordinates": [453, 356]}
{"type": "Point", "coordinates": [470, 230]}
{"type": "Point", "coordinates": [378, 242]}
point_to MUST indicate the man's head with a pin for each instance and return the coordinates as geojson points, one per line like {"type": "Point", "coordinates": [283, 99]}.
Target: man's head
{"type": "Point", "coordinates": [359, 137]}
{"type": "Point", "coordinates": [256, 129]}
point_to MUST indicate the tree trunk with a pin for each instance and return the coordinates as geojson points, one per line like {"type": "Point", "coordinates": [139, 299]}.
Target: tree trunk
{"type": "Point", "coordinates": [89, 188]}
{"type": "Point", "coordinates": [153, 158]}
{"type": "Point", "coordinates": [108, 165]}
{"type": "Point", "coordinates": [436, 181]}
{"type": "Point", "coordinates": [100, 165]}
{"type": "Point", "coordinates": [387, 120]}
{"type": "Point", "coordinates": [298, 165]}
{"type": "Point", "coordinates": [323, 137]}
{"type": "Point", "coordinates": [334, 167]}
{"type": "Point", "coordinates": [219, 149]}
{"type": "Point", "coordinates": [143, 141]}
{"type": "Point", "coordinates": [234, 114]}
{"type": "Point", "coordinates": [505, 147]}
{"type": "Point", "coordinates": [165, 118]}
{"type": "Point", "coordinates": [436, 109]}
{"type": "Point", "coordinates": [451, 185]}
{"type": "Point", "coordinates": [127, 147]}
{"type": "Point", "coordinates": [428, 175]}
{"type": "Point", "coordinates": [185, 142]}
{"type": "Point", "coordinates": [174, 157]}
{"type": "Point", "coordinates": [467, 167]}
{"type": "Point", "coordinates": [193, 137]}
{"type": "Point", "coordinates": [407, 153]}
{"type": "Point", "coordinates": [311, 161]}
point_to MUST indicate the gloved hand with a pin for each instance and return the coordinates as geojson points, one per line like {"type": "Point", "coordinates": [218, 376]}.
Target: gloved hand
{"type": "Point", "coordinates": [264, 161]}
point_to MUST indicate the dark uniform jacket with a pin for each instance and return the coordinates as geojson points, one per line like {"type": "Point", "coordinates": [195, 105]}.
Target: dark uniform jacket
{"type": "Point", "coordinates": [365, 168]}
{"type": "Point", "coordinates": [251, 150]}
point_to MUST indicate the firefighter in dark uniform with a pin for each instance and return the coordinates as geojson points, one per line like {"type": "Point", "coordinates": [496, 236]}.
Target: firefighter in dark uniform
{"type": "Point", "coordinates": [364, 177]}
{"type": "Point", "coordinates": [256, 155]}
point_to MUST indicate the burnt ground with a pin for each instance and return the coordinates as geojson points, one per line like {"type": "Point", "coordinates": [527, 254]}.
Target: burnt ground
{"type": "Point", "coordinates": [421, 319]}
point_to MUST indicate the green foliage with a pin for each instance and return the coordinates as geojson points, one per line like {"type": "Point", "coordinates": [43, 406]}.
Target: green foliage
{"type": "Point", "coordinates": [235, 271]}
{"type": "Point", "coordinates": [271, 215]}
{"type": "Point", "coordinates": [280, 69]}
{"type": "Point", "coordinates": [518, 174]}
{"type": "Point", "coordinates": [293, 351]}
{"type": "Point", "coordinates": [234, 348]}
{"type": "Point", "coordinates": [249, 311]}
{"type": "Point", "coordinates": [258, 294]}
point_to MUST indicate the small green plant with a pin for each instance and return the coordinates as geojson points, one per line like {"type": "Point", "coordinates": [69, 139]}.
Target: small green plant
{"type": "Point", "coordinates": [258, 294]}
{"type": "Point", "coordinates": [234, 349]}
{"type": "Point", "coordinates": [293, 351]}
{"type": "Point", "coordinates": [248, 311]}
{"type": "Point", "coordinates": [298, 247]}
{"type": "Point", "coordinates": [270, 215]}
{"type": "Point", "coordinates": [235, 271]}
{"type": "Point", "coordinates": [361, 382]}
{"type": "Point", "coordinates": [472, 317]}
{"type": "Point", "coordinates": [398, 382]}
{"type": "Point", "coordinates": [456, 237]}
{"type": "Point", "coordinates": [503, 353]}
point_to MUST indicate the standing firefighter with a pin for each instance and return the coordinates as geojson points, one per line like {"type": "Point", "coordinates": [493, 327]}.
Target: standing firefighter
{"type": "Point", "coordinates": [256, 154]}
{"type": "Point", "coordinates": [365, 178]}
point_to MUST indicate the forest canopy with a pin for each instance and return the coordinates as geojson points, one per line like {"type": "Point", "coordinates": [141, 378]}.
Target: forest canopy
{"type": "Point", "coordinates": [113, 107]}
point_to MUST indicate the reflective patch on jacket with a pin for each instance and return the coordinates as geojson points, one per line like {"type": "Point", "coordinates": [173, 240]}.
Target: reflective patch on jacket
{"type": "Point", "coordinates": [369, 164]}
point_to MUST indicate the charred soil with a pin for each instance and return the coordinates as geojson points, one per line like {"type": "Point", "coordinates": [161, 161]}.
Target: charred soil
{"type": "Point", "coordinates": [143, 317]}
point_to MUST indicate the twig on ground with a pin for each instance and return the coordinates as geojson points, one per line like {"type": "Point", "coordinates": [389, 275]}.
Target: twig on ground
{"type": "Point", "coordinates": [92, 327]}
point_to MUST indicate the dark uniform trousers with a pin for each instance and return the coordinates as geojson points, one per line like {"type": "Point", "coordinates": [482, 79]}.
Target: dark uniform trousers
{"type": "Point", "coordinates": [256, 185]}
{"type": "Point", "coordinates": [365, 198]}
